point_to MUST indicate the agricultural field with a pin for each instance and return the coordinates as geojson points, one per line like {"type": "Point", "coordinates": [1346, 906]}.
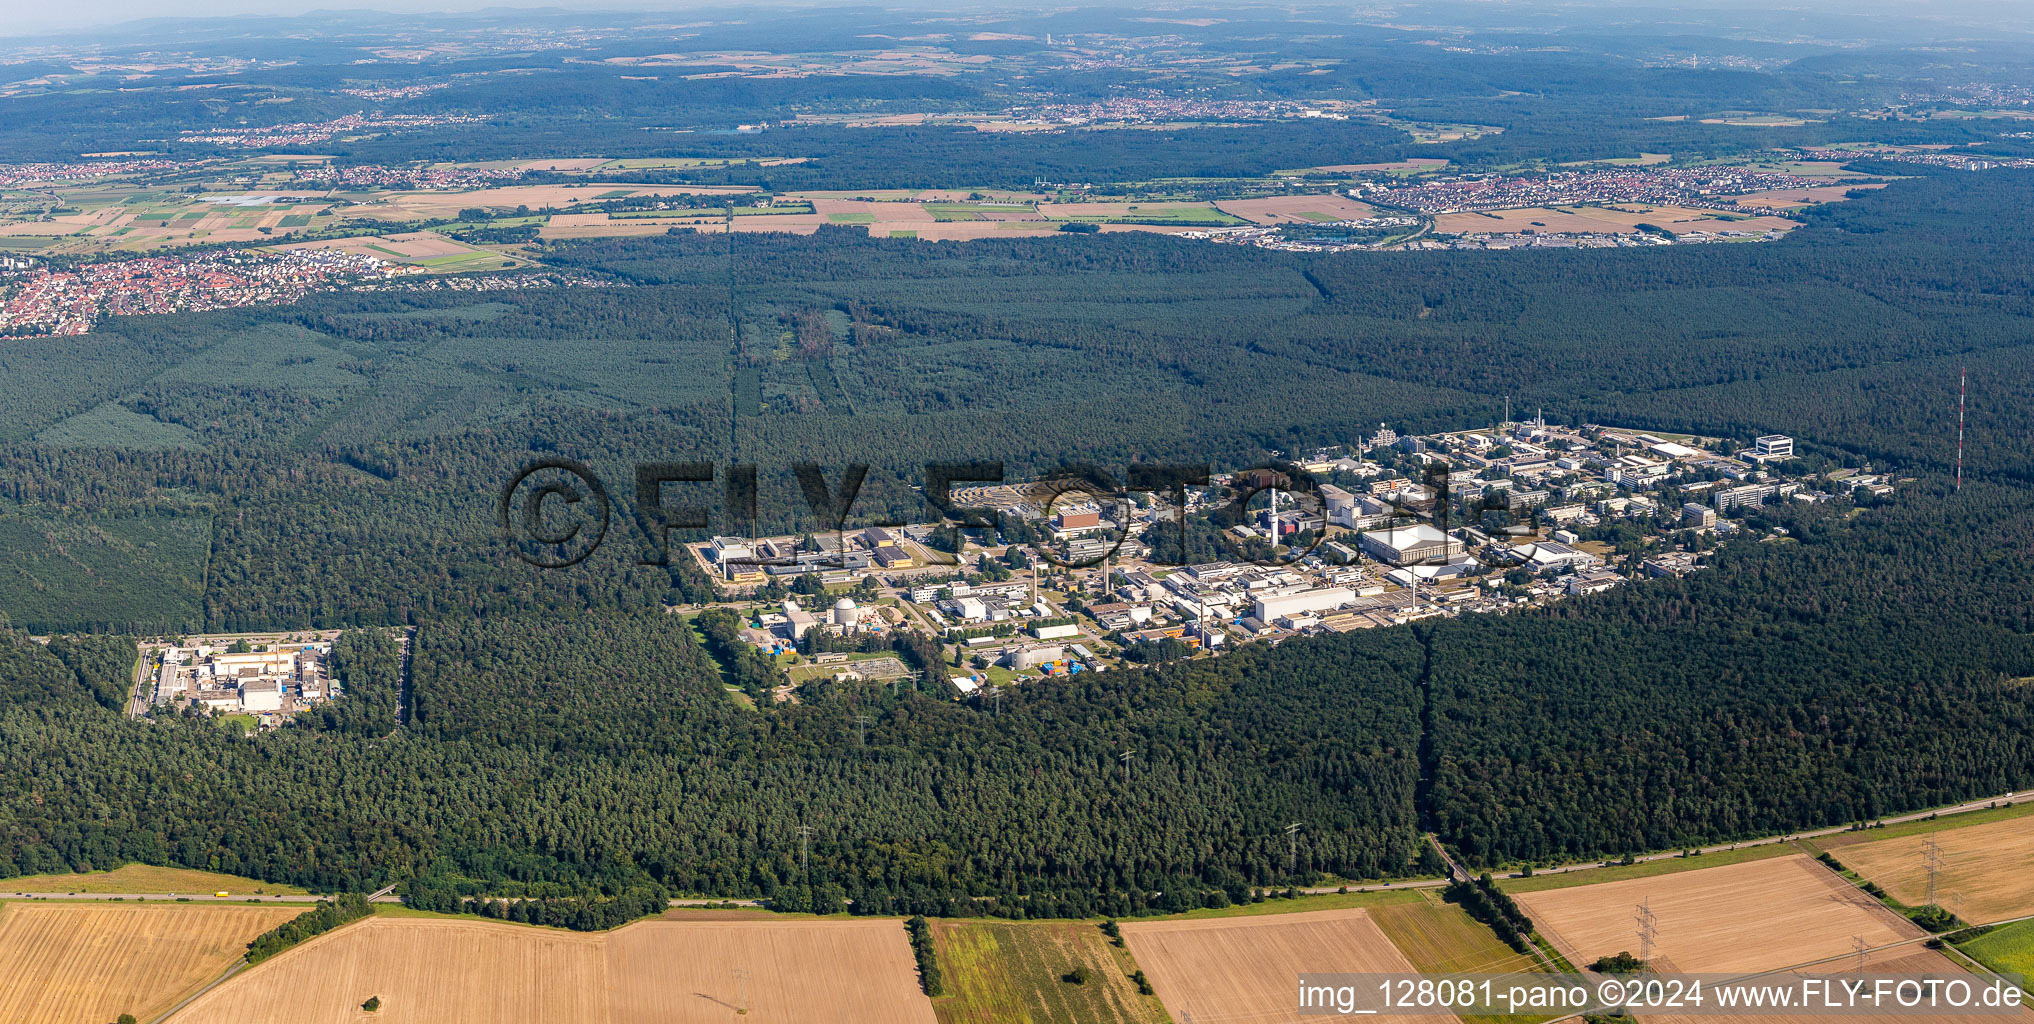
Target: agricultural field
{"type": "Point", "coordinates": [1624, 218]}
{"type": "Point", "coordinates": [124, 218]}
{"type": "Point", "coordinates": [1316, 209]}
{"type": "Point", "coordinates": [1598, 873]}
{"type": "Point", "coordinates": [147, 878]}
{"type": "Point", "coordinates": [682, 968]}
{"type": "Point", "coordinates": [434, 204]}
{"type": "Point", "coordinates": [983, 211]}
{"type": "Point", "coordinates": [86, 963]}
{"type": "Point", "coordinates": [1985, 870]}
{"type": "Point", "coordinates": [933, 216]}
{"type": "Point", "coordinates": [100, 218]}
{"type": "Point", "coordinates": [426, 249]}
{"type": "Point", "coordinates": [1641, 160]}
{"type": "Point", "coordinates": [1761, 915]}
{"type": "Point", "coordinates": [2009, 949]}
{"type": "Point", "coordinates": [1015, 973]}
{"type": "Point", "coordinates": [1797, 197]}
{"type": "Point", "coordinates": [1242, 968]}
{"type": "Point", "coordinates": [1916, 962]}
{"type": "Point", "coordinates": [1170, 212]}
{"type": "Point", "coordinates": [1441, 938]}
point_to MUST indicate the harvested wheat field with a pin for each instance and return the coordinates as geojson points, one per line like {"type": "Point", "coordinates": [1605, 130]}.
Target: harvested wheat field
{"type": "Point", "coordinates": [1316, 209]}
{"type": "Point", "coordinates": [1911, 960]}
{"type": "Point", "coordinates": [1987, 870]}
{"type": "Point", "coordinates": [433, 970]}
{"type": "Point", "coordinates": [1792, 197]}
{"type": "Point", "coordinates": [1756, 916]}
{"type": "Point", "coordinates": [74, 963]}
{"type": "Point", "coordinates": [1247, 968]}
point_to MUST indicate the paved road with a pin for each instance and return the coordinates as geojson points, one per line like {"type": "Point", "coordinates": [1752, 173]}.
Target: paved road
{"type": "Point", "coordinates": [386, 895]}
{"type": "Point", "coordinates": [194, 897]}
{"type": "Point", "coordinates": [137, 697]}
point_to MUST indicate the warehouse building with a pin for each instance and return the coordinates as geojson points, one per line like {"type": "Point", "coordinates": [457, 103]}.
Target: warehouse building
{"type": "Point", "coordinates": [1407, 544]}
{"type": "Point", "coordinates": [1272, 608]}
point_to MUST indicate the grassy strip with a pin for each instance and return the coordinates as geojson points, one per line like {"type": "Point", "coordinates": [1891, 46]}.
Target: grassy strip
{"type": "Point", "coordinates": [1613, 872]}
{"type": "Point", "coordinates": [1932, 823]}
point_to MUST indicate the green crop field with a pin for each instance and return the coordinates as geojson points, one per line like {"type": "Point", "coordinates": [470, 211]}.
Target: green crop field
{"type": "Point", "coordinates": [851, 218]}
{"type": "Point", "coordinates": [1014, 973]}
{"type": "Point", "coordinates": [1441, 938]}
{"type": "Point", "coordinates": [2009, 950]}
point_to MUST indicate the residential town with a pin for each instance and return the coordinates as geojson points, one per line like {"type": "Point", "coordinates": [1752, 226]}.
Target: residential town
{"type": "Point", "coordinates": [1934, 157]}
{"type": "Point", "coordinates": [31, 175]}
{"type": "Point", "coordinates": [377, 176]}
{"type": "Point", "coordinates": [1698, 187]}
{"type": "Point", "coordinates": [305, 133]}
{"type": "Point", "coordinates": [384, 93]}
{"type": "Point", "coordinates": [1161, 108]}
{"type": "Point", "coordinates": [1322, 237]}
{"type": "Point", "coordinates": [37, 301]}
{"type": "Point", "coordinates": [1385, 531]}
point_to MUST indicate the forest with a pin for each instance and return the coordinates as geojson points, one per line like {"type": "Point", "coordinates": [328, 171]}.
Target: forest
{"type": "Point", "coordinates": [568, 747]}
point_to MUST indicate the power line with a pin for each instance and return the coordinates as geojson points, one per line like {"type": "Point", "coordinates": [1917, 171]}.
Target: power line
{"type": "Point", "coordinates": [1125, 758]}
{"type": "Point", "coordinates": [1648, 930]}
{"type": "Point", "coordinates": [1931, 859]}
{"type": "Point", "coordinates": [1292, 850]}
{"type": "Point", "coordinates": [804, 838]}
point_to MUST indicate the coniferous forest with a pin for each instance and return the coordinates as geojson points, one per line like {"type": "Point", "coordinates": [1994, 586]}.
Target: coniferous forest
{"type": "Point", "coordinates": [567, 747]}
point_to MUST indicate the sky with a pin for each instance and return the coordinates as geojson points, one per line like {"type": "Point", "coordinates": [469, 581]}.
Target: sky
{"type": "Point", "coordinates": [27, 17]}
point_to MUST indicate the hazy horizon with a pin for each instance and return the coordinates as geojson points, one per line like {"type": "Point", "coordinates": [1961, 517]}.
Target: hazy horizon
{"type": "Point", "coordinates": [99, 15]}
